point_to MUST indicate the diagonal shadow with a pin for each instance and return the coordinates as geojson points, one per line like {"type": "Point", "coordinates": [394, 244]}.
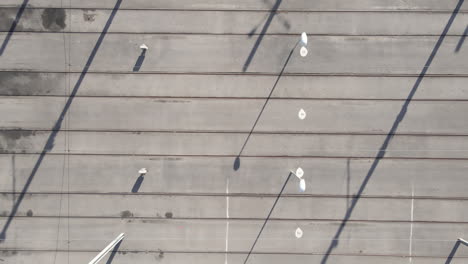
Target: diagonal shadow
{"type": "Point", "coordinates": [56, 128]}
{"type": "Point", "coordinates": [237, 160]}
{"type": "Point", "coordinates": [462, 39]}
{"type": "Point", "coordinates": [452, 253]}
{"type": "Point", "coordinates": [139, 61]}
{"type": "Point", "coordinates": [114, 251]}
{"type": "Point", "coordinates": [262, 34]}
{"type": "Point", "coordinates": [396, 123]}
{"type": "Point", "coordinates": [268, 217]}
{"type": "Point", "coordinates": [13, 26]}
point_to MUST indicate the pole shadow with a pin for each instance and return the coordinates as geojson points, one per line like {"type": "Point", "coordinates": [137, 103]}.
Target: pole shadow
{"type": "Point", "coordinates": [13, 26]}
{"type": "Point", "coordinates": [391, 133]}
{"type": "Point", "coordinates": [462, 39]}
{"type": "Point", "coordinates": [452, 253]}
{"type": "Point", "coordinates": [261, 35]}
{"type": "Point", "coordinates": [137, 184]}
{"type": "Point", "coordinates": [58, 124]}
{"type": "Point", "coordinates": [268, 217]}
{"type": "Point", "coordinates": [237, 162]}
{"type": "Point", "coordinates": [113, 252]}
{"type": "Point", "coordinates": [139, 61]}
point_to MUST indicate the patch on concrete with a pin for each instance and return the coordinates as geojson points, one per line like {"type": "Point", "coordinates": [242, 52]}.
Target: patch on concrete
{"type": "Point", "coordinates": [126, 214]}
{"type": "Point", "coordinates": [89, 15]}
{"type": "Point", "coordinates": [8, 16]}
{"type": "Point", "coordinates": [29, 213]}
{"type": "Point", "coordinates": [22, 83]}
{"type": "Point", "coordinates": [54, 18]}
{"type": "Point", "coordinates": [12, 140]}
{"type": "Point", "coordinates": [168, 215]}
{"type": "Point", "coordinates": [7, 253]}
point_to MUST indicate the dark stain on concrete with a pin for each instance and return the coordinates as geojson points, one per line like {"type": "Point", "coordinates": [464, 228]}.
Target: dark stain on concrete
{"type": "Point", "coordinates": [89, 15]}
{"type": "Point", "coordinates": [168, 215]}
{"type": "Point", "coordinates": [10, 140]}
{"type": "Point", "coordinates": [4, 213]}
{"type": "Point", "coordinates": [126, 214]}
{"type": "Point", "coordinates": [8, 16]}
{"type": "Point", "coordinates": [161, 254]}
{"type": "Point", "coordinates": [29, 213]}
{"type": "Point", "coordinates": [7, 253]}
{"type": "Point", "coordinates": [53, 19]}
{"type": "Point", "coordinates": [29, 83]}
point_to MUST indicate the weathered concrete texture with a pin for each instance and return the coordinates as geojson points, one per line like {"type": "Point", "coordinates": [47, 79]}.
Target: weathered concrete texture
{"type": "Point", "coordinates": [359, 238]}
{"type": "Point", "coordinates": [173, 143]}
{"type": "Point", "coordinates": [227, 115]}
{"type": "Point", "coordinates": [301, 5]}
{"type": "Point", "coordinates": [156, 255]}
{"type": "Point", "coordinates": [194, 53]}
{"type": "Point", "coordinates": [243, 207]}
{"type": "Point", "coordinates": [191, 175]}
{"type": "Point", "coordinates": [233, 22]}
{"type": "Point", "coordinates": [184, 111]}
{"type": "Point", "coordinates": [234, 85]}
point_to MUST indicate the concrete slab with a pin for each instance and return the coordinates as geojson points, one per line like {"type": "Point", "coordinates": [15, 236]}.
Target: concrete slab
{"type": "Point", "coordinates": [235, 115]}
{"type": "Point", "coordinates": [236, 22]}
{"type": "Point", "coordinates": [301, 5]}
{"type": "Point", "coordinates": [170, 53]}
{"type": "Point", "coordinates": [208, 175]}
{"type": "Point", "coordinates": [233, 85]}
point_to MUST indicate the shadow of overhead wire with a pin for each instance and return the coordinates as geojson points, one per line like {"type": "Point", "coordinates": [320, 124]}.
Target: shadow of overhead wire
{"type": "Point", "coordinates": [462, 39]}
{"type": "Point", "coordinates": [452, 253]}
{"type": "Point", "coordinates": [58, 124]}
{"type": "Point", "coordinates": [237, 161]}
{"type": "Point", "coordinates": [262, 34]}
{"type": "Point", "coordinates": [13, 26]}
{"type": "Point", "coordinates": [394, 128]}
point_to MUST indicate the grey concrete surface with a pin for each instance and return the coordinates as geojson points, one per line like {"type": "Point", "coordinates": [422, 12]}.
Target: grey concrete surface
{"type": "Point", "coordinates": [179, 143]}
{"type": "Point", "coordinates": [240, 207]}
{"type": "Point", "coordinates": [235, 22]}
{"type": "Point", "coordinates": [192, 175]}
{"type": "Point", "coordinates": [194, 53]}
{"type": "Point", "coordinates": [228, 115]}
{"type": "Point", "coordinates": [305, 5]}
{"type": "Point", "coordinates": [234, 86]}
{"type": "Point", "coordinates": [169, 257]}
{"type": "Point", "coordinates": [185, 111]}
{"type": "Point", "coordinates": [370, 238]}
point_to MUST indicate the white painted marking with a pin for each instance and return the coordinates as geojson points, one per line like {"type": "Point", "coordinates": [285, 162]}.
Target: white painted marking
{"type": "Point", "coordinates": [299, 172]}
{"type": "Point", "coordinates": [411, 228]}
{"type": "Point", "coordinates": [304, 51]}
{"type": "Point", "coordinates": [299, 232]}
{"type": "Point", "coordinates": [227, 222]}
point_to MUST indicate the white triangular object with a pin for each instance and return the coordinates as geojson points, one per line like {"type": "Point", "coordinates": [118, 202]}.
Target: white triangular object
{"type": "Point", "coordinates": [302, 114]}
{"type": "Point", "coordinates": [304, 38]}
{"type": "Point", "coordinates": [299, 233]}
{"type": "Point", "coordinates": [143, 171]}
{"type": "Point", "coordinates": [302, 185]}
{"type": "Point", "coordinates": [143, 46]}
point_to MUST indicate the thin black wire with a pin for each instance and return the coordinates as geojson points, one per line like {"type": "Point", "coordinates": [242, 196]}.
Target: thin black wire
{"type": "Point", "coordinates": [268, 217]}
